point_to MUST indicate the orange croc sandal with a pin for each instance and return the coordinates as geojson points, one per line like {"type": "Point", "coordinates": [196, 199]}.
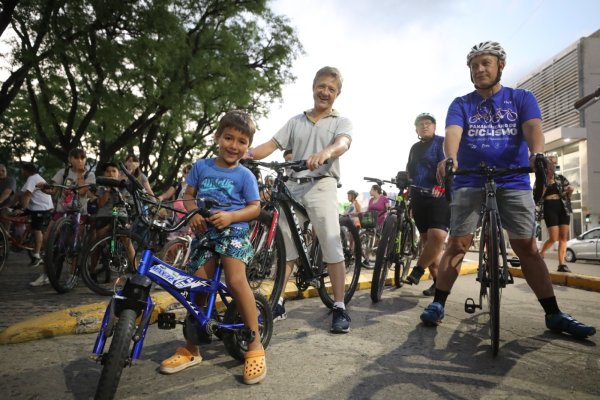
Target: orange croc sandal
{"type": "Point", "coordinates": [255, 367]}
{"type": "Point", "coordinates": [181, 360]}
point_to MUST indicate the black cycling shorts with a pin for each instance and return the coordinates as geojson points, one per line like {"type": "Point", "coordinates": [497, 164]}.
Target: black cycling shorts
{"type": "Point", "coordinates": [39, 219]}
{"type": "Point", "coordinates": [555, 214]}
{"type": "Point", "coordinates": [430, 212]}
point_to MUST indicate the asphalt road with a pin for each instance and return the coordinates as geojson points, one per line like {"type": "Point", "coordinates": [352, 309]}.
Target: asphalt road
{"type": "Point", "coordinates": [387, 355]}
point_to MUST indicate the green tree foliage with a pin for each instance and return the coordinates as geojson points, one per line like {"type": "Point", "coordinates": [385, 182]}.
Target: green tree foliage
{"type": "Point", "coordinates": [155, 76]}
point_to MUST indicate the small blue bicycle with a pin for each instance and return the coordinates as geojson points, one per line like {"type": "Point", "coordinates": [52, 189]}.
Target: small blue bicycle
{"type": "Point", "coordinates": [128, 314]}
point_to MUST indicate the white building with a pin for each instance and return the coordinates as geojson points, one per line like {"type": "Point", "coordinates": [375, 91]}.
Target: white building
{"type": "Point", "coordinates": [573, 135]}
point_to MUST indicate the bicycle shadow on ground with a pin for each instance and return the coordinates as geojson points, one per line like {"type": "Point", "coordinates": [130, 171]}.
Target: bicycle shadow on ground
{"type": "Point", "coordinates": [464, 361]}
{"type": "Point", "coordinates": [305, 318]}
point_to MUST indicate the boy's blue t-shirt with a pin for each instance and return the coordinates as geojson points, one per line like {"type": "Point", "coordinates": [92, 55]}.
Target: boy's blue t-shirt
{"type": "Point", "coordinates": [492, 133]}
{"type": "Point", "coordinates": [234, 186]}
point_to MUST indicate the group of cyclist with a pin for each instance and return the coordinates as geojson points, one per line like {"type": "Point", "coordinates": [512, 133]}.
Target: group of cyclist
{"type": "Point", "coordinates": [321, 136]}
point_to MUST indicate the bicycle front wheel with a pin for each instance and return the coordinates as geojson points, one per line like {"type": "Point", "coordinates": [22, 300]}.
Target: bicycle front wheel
{"type": "Point", "coordinates": [61, 260]}
{"type": "Point", "coordinates": [406, 252]}
{"type": "Point", "coordinates": [352, 262]}
{"type": "Point", "coordinates": [110, 260]}
{"type": "Point", "coordinates": [386, 257]}
{"type": "Point", "coordinates": [266, 270]}
{"type": "Point", "coordinates": [118, 356]}
{"type": "Point", "coordinates": [494, 281]}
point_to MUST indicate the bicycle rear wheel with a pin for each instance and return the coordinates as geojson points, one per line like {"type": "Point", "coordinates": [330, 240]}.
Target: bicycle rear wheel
{"type": "Point", "coordinates": [109, 260]}
{"type": "Point", "coordinates": [175, 253]}
{"type": "Point", "coordinates": [118, 356]}
{"type": "Point", "coordinates": [61, 260]}
{"type": "Point", "coordinates": [494, 281]}
{"type": "Point", "coordinates": [235, 344]}
{"type": "Point", "coordinates": [352, 251]}
{"type": "Point", "coordinates": [406, 252]}
{"type": "Point", "coordinates": [386, 257]}
{"type": "Point", "coordinates": [266, 270]}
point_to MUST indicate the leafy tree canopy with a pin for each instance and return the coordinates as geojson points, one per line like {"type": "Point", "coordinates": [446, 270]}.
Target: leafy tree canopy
{"type": "Point", "coordinates": [151, 77]}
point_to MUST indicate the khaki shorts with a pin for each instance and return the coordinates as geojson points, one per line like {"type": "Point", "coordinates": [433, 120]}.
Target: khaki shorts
{"type": "Point", "coordinates": [516, 209]}
{"type": "Point", "coordinates": [320, 200]}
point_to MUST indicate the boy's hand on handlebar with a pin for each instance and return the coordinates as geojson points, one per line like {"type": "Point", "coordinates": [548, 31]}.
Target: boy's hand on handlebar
{"type": "Point", "coordinates": [198, 223]}
{"type": "Point", "coordinates": [221, 219]}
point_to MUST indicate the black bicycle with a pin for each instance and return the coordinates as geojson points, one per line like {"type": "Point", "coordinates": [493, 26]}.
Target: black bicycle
{"type": "Point", "coordinates": [312, 270]}
{"type": "Point", "coordinates": [492, 271]}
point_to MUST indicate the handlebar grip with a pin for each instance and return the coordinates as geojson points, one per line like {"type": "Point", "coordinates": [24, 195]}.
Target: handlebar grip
{"type": "Point", "coordinates": [587, 98]}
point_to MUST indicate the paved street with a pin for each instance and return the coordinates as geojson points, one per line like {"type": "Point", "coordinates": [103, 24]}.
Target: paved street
{"type": "Point", "coordinates": [388, 354]}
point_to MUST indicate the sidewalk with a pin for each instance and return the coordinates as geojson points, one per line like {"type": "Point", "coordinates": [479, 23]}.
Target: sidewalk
{"type": "Point", "coordinates": [31, 313]}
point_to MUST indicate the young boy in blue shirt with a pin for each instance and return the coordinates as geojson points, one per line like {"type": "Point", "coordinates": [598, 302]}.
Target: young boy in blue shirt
{"type": "Point", "coordinates": [223, 179]}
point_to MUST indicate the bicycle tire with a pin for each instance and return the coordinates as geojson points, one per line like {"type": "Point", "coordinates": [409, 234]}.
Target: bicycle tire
{"type": "Point", "coordinates": [368, 241]}
{"type": "Point", "coordinates": [174, 253]}
{"type": "Point", "coordinates": [352, 264]}
{"type": "Point", "coordinates": [406, 255]}
{"type": "Point", "coordinates": [3, 248]}
{"type": "Point", "coordinates": [102, 269]}
{"type": "Point", "coordinates": [494, 282]}
{"type": "Point", "coordinates": [62, 260]}
{"type": "Point", "coordinates": [266, 270]}
{"type": "Point", "coordinates": [117, 357]}
{"type": "Point", "coordinates": [386, 256]}
{"type": "Point", "coordinates": [235, 345]}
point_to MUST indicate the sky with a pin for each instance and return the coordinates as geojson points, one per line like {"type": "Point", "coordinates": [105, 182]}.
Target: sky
{"type": "Point", "coordinates": [402, 58]}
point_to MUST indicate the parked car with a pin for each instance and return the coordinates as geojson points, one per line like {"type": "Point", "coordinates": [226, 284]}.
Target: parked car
{"type": "Point", "coordinates": [584, 247]}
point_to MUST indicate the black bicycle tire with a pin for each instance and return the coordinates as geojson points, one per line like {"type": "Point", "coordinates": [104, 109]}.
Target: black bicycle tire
{"type": "Point", "coordinates": [117, 357]}
{"type": "Point", "coordinates": [385, 256]}
{"type": "Point", "coordinates": [494, 279]}
{"type": "Point", "coordinates": [406, 255]}
{"type": "Point", "coordinates": [88, 279]}
{"type": "Point", "coordinates": [278, 249]}
{"type": "Point", "coordinates": [54, 259]}
{"type": "Point", "coordinates": [350, 288]}
{"type": "Point", "coordinates": [3, 248]}
{"type": "Point", "coordinates": [235, 346]}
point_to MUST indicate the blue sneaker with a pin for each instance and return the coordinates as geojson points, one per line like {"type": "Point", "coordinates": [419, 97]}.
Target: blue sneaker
{"type": "Point", "coordinates": [279, 312]}
{"type": "Point", "coordinates": [562, 322]}
{"type": "Point", "coordinates": [433, 314]}
{"type": "Point", "coordinates": [341, 321]}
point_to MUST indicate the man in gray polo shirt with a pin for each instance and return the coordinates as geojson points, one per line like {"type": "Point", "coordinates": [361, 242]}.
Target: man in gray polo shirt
{"type": "Point", "coordinates": [317, 135]}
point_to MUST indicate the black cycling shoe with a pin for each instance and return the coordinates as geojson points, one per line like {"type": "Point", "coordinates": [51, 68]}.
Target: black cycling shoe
{"type": "Point", "coordinates": [415, 275]}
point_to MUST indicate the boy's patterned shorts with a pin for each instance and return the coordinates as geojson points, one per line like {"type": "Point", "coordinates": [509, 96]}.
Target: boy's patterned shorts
{"type": "Point", "coordinates": [232, 242]}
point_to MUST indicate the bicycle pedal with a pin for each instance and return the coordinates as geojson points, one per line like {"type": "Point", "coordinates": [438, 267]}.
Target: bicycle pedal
{"type": "Point", "coordinates": [470, 306]}
{"type": "Point", "coordinates": [166, 321]}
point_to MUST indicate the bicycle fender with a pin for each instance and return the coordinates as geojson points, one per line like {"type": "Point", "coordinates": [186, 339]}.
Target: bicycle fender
{"type": "Point", "coordinates": [135, 295]}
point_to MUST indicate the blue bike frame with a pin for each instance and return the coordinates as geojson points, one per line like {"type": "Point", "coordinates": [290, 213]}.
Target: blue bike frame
{"type": "Point", "coordinates": [177, 283]}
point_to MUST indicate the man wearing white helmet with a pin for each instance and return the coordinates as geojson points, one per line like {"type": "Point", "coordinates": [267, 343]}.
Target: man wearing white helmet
{"type": "Point", "coordinates": [501, 127]}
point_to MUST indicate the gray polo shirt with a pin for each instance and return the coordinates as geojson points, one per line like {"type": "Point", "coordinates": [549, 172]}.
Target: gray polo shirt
{"type": "Point", "coordinates": [306, 138]}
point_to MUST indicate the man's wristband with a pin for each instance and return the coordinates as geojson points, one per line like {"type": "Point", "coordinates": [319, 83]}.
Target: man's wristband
{"type": "Point", "coordinates": [535, 155]}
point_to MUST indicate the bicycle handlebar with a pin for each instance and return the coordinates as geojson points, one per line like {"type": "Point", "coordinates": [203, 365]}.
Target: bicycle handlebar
{"type": "Point", "coordinates": [277, 166]}
{"type": "Point", "coordinates": [490, 172]}
{"type": "Point", "coordinates": [579, 103]}
{"type": "Point", "coordinates": [378, 181]}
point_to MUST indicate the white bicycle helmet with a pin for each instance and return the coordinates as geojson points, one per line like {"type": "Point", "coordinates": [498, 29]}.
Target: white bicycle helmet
{"type": "Point", "coordinates": [424, 116]}
{"type": "Point", "coordinates": [488, 47]}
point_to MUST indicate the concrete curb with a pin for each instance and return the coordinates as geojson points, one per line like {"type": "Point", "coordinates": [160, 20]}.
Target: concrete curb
{"type": "Point", "coordinates": [87, 318]}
